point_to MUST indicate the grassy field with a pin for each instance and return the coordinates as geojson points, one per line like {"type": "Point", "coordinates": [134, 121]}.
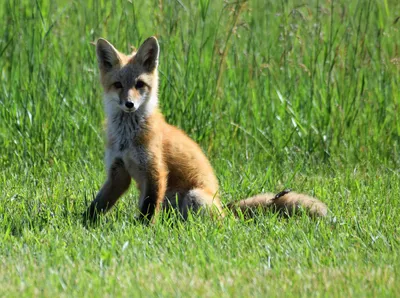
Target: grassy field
{"type": "Point", "coordinates": [299, 94]}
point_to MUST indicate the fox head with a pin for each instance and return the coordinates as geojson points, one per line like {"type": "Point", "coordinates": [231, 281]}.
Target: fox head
{"type": "Point", "coordinates": [130, 82]}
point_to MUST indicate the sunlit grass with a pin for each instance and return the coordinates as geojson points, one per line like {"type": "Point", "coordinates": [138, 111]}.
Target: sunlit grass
{"type": "Point", "coordinates": [278, 94]}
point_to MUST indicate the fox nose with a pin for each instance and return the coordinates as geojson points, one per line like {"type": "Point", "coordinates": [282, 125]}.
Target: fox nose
{"type": "Point", "coordinates": [129, 104]}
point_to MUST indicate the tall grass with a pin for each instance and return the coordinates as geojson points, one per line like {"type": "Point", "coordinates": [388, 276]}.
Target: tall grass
{"type": "Point", "coordinates": [278, 93]}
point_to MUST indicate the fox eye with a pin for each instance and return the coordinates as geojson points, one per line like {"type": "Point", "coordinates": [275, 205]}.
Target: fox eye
{"type": "Point", "coordinates": [117, 85]}
{"type": "Point", "coordinates": [139, 84]}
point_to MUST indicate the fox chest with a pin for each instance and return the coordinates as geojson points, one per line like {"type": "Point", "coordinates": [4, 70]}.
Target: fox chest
{"type": "Point", "coordinates": [134, 155]}
{"type": "Point", "coordinates": [135, 160]}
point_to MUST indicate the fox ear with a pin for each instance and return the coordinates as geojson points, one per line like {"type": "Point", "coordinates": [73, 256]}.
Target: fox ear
{"type": "Point", "coordinates": [107, 55]}
{"type": "Point", "coordinates": [147, 55]}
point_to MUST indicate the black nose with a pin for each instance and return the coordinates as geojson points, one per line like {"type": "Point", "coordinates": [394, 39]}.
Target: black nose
{"type": "Point", "coordinates": [129, 104]}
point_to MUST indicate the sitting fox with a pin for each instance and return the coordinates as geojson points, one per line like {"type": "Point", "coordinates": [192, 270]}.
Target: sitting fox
{"type": "Point", "coordinates": [170, 169]}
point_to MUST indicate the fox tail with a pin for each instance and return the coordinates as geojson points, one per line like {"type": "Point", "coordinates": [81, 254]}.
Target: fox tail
{"type": "Point", "coordinates": [286, 202]}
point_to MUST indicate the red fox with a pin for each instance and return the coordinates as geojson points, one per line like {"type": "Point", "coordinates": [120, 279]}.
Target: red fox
{"type": "Point", "coordinates": [170, 169]}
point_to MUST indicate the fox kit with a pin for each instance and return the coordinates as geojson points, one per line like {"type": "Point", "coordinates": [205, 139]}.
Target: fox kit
{"type": "Point", "coordinates": [170, 169]}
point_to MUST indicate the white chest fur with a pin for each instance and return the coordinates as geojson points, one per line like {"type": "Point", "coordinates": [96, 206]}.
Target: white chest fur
{"type": "Point", "coordinates": [123, 131]}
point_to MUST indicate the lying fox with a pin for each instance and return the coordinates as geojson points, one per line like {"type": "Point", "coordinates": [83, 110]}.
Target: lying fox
{"type": "Point", "coordinates": [170, 169]}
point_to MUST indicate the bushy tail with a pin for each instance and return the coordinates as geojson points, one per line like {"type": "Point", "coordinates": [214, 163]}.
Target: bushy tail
{"type": "Point", "coordinates": [287, 202]}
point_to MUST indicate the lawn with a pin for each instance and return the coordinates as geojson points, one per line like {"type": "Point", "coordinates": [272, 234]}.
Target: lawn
{"type": "Point", "coordinates": [279, 94]}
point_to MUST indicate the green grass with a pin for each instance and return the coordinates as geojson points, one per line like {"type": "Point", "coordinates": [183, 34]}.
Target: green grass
{"type": "Point", "coordinates": [299, 94]}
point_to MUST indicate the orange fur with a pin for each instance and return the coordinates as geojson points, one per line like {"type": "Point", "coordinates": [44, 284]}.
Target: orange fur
{"type": "Point", "coordinates": [289, 204]}
{"type": "Point", "coordinates": [170, 169]}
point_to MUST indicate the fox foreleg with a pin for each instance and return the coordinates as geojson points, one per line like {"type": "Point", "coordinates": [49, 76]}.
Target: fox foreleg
{"type": "Point", "coordinates": [117, 183]}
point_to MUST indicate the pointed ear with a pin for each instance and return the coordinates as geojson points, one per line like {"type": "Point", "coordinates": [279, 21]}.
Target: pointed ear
{"type": "Point", "coordinates": [107, 55]}
{"type": "Point", "coordinates": [147, 55]}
